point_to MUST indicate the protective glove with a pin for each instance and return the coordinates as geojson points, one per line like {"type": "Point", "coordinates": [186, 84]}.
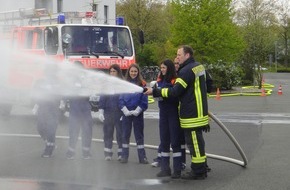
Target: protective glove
{"type": "Point", "coordinates": [137, 111]}
{"type": "Point", "coordinates": [62, 105]}
{"type": "Point", "coordinates": [101, 115]}
{"type": "Point", "coordinates": [35, 109]}
{"type": "Point", "coordinates": [125, 111]}
{"type": "Point", "coordinates": [94, 101]}
{"type": "Point", "coordinates": [153, 84]}
{"type": "Point", "coordinates": [94, 98]}
{"type": "Point", "coordinates": [206, 128]}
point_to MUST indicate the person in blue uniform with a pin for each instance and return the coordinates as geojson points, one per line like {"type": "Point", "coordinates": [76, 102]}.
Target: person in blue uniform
{"type": "Point", "coordinates": [133, 106]}
{"type": "Point", "coordinates": [47, 101]}
{"type": "Point", "coordinates": [171, 133]}
{"type": "Point", "coordinates": [80, 117]}
{"type": "Point", "coordinates": [110, 114]}
{"type": "Point", "coordinates": [157, 160]}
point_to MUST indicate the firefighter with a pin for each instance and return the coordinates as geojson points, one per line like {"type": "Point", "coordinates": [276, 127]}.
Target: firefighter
{"type": "Point", "coordinates": [191, 89]}
{"type": "Point", "coordinates": [110, 114]}
{"type": "Point", "coordinates": [46, 108]}
{"type": "Point", "coordinates": [169, 127]}
{"type": "Point", "coordinates": [133, 105]}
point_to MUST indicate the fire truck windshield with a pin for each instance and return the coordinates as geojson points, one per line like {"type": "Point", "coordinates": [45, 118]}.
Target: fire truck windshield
{"type": "Point", "coordinates": [98, 40]}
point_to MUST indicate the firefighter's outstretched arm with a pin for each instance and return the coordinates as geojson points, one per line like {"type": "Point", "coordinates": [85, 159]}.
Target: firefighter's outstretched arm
{"type": "Point", "coordinates": [174, 91]}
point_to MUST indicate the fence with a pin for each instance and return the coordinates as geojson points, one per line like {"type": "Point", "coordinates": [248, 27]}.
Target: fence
{"type": "Point", "coordinates": [150, 73]}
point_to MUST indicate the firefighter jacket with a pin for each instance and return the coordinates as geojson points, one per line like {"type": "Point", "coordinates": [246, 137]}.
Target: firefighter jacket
{"type": "Point", "coordinates": [190, 88]}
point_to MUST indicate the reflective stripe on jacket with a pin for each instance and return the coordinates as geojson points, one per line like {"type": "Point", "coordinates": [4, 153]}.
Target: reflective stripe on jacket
{"type": "Point", "coordinates": [190, 87]}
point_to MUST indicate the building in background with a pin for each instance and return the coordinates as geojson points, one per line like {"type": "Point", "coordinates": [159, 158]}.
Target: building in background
{"type": "Point", "coordinates": [104, 10]}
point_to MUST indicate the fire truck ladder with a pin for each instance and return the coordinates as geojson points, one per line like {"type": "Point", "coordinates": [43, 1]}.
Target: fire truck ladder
{"type": "Point", "coordinates": [32, 16]}
{"type": "Point", "coordinates": [18, 17]}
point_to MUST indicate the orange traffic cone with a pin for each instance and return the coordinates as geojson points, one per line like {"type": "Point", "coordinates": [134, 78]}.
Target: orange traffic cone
{"type": "Point", "coordinates": [280, 90]}
{"type": "Point", "coordinates": [263, 93]}
{"type": "Point", "coordinates": [218, 94]}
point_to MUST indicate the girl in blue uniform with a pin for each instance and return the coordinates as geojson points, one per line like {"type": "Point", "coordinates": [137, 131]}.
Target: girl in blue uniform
{"type": "Point", "coordinates": [157, 160]}
{"type": "Point", "coordinates": [171, 133]}
{"type": "Point", "coordinates": [47, 104]}
{"type": "Point", "coordinates": [80, 117]}
{"type": "Point", "coordinates": [133, 105]}
{"type": "Point", "coordinates": [110, 114]}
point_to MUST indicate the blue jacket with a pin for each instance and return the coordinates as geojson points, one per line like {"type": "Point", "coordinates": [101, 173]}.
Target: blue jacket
{"type": "Point", "coordinates": [109, 102]}
{"type": "Point", "coordinates": [79, 106]}
{"type": "Point", "coordinates": [46, 96]}
{"type": "Point", "coordinates": [133, 100]}
{"type": "Point", "coordinates": [169, 101]}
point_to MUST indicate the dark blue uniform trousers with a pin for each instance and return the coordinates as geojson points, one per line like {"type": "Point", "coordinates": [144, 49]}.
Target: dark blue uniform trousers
{"type": "Point", "coordinates": [47, 121]}
{"type": "Point", "coordinates": [77, 122]}
{"type": "Point", "coordinates": [138, 126]}
{"type": "Point", "coordinates": [170, 134]}
{"type": "Point", "coordinates": [112, 121]}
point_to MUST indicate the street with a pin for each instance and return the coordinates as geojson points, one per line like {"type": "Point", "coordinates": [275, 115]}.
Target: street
{"type": "Point", "coordinates": [259, 124]}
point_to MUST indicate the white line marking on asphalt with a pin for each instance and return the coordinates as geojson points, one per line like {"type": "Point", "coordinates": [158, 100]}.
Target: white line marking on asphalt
{"type": "Point", "coordinates": [66, 137]}
{"type": "Point", "coordinates": [255, 118]}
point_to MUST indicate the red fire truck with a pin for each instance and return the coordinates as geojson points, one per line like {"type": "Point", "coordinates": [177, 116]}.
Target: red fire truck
{"type": "Point", "coordinates": [71, 37]}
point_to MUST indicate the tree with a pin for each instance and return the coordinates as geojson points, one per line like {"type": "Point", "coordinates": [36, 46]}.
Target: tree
{"type": "Point", "coordinates": [207, 26]}
{"type": "Point", "coordinates": [150, 17]}
{"type": "Point", "coordinates": [256, 19]}
{"type": "Point", "coordinates": [284, 19]}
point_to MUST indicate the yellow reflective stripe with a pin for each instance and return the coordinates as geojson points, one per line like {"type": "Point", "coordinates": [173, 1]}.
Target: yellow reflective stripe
{"type": "Point", "coordinates": [198, 70]}
{"type": "Point", "coordinates": [195, 144]}
{"type": "Point", "coordinates": [164, 92]}
{"type": "Point", "coordinates": [197, 158]}
{"type": "Point", "coordinates": [194, 122]}
{"type": "Point", "coordinates": [198, 97]}
{"type": "Point", "coordinates": [181, 82]}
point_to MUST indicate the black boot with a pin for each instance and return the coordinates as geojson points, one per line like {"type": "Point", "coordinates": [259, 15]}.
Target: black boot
{"type": "Point", "coordinates": [47, 153]}
{"type": "Point", "coordinates": [192, 176]}
{"type": "Point", "coordinates": [124, 160]}
{"type": "Point", "coordinates": [176, 175]}
{"type": "Point", "coordinates": [164, 173]}
{"type": "Point", "coordinates": [144, 161]}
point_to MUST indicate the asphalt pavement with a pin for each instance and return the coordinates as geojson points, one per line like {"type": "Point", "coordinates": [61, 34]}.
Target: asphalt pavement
{"type": "Point", "coordinates": [259, 124]}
